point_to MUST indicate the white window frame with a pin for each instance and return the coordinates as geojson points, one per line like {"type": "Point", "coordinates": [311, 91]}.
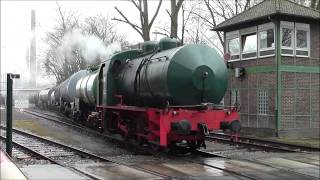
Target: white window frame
{"type": "Point", "coordinates": [304, 27]}
{"type": "Point", "coordinates": [244, 32]}
{"type": "Point", "coordinates": [289, 25]}
{"type": "Point", "coordinates": [265, 27]}
{"type": "Point", "coordinates": [229, 36]}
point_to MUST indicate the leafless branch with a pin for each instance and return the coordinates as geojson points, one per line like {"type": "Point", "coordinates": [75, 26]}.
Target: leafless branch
{"type": "Point", "coordinates": [155, 14]}
{"type": "Point", "coordinates": [134, 26]}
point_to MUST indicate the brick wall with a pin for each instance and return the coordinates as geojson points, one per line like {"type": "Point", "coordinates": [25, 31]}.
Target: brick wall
{"type": "Point", "coordinates": [300, 93]}
{"type": "Point", "coordinates": [314, 41]}
{"type": "Point", "coordinates": [300, 100]}
{"type": "Point", "coordinates": [248, 88]}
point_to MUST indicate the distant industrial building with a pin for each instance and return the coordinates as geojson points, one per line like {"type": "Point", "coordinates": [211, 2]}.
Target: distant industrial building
{"type": "Point", "coordinates": [272, 51]}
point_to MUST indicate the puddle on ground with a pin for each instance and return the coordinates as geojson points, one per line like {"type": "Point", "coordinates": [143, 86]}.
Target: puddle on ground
{"type": "Point", "coordinates": [114, 171]}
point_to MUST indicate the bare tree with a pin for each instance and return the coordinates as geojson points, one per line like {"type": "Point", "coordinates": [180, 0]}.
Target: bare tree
{"type": "Point", "coordinates": [195, 27]}
{"type": "Point", "coordinates": [314, 4]}
{"type": "Point", "coordinates": [53, 65]}
{"type": "Point", "coordinates": [185, 19]}
{"type": "Point", "coordinates": [144, 28]}
{"type": "Point", "coordinates": [175, 8]}
{"type": "Point", "coordinates": [221, 10]}
{"type": "Point", "coordinates": [62, 65]}
{"type": "Point", "coordinates": [168, 31]}
{"type": "Point", "coordinates": [104, 29]}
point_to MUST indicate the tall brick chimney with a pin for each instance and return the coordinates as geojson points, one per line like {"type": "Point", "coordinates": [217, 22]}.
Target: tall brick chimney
{"type": "Point", "coordinates": [33, 62]}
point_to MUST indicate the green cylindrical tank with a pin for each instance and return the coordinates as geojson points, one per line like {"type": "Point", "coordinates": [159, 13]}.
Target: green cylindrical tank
{"type": "Point", "coordinates": [167, 43]}
{"type": "Point", "coordinates": [86, 89]}
{"type": "Point", "coordinates": [149, 46]}
{"type": "Point", "coordinates": [186, 75]}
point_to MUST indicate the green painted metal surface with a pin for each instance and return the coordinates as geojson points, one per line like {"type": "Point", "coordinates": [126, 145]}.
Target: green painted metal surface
{"type": "Point", "coordinates": [191, 74]}
{"type": "Point", "coordinates": [167, 43]}
{"type": "Point", "coordinates": [149, 46]}
{"type": "Point", "coordinates": [300, 69]}
{"type": "Point", "coordinates": [110, 74]}
{"type": "Point", "coordinates": [279, 79]}
{"type": "Point", "coordinates": [282, 68]}
{"type": "Point", "coordinates": [199, 73]}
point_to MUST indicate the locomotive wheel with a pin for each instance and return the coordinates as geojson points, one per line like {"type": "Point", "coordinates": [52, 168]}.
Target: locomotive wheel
{"type": "Point", "coordinates": [154, 147]}
{"type": "Point", "coordinates": [192, 145]}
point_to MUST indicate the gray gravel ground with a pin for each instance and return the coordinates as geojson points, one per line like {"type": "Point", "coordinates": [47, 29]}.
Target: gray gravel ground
{"type": "Point", "coordinates": [70, 136]}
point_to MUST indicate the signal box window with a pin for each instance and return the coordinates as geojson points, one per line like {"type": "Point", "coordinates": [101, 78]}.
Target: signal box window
{"type": "Point", "coordinates": [266, 40]}
{"type": "Point", "coordinates": [249, 45]}
{"type": "Point", "coordinates": [287, 38]}
{"type": "Point", "coordinates": [234, 48]}
{"type": "Point", "coordinates": [302, 39]}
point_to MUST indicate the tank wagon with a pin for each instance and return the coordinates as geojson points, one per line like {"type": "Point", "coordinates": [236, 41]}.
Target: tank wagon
{"type": "Point", "coordinates": [67, 92]}
{"type": "Point", "coordinates": [163, 94]}
{"type": "Point", "coordinates": [43, 96]}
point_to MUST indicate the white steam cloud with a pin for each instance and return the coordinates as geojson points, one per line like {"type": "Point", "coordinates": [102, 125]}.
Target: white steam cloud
{"type": "Point", "coordinates": [90, 47]}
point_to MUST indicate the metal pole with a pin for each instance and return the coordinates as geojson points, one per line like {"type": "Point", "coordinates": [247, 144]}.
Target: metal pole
{"type": "Point", "coordinates": [278, 74]}
{"type": "Point", "coordinates": [9, 116]}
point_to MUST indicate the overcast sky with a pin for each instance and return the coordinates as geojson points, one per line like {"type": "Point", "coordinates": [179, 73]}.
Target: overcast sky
{"type": "Point", "coordinates": [16, 33]}
{"type": "Point", "coordinates": [16, 25]}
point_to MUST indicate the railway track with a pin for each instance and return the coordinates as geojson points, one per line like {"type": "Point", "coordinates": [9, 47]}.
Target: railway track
{"type": "Point", "coordinates": [62, 154]}
{"type": "Point", "coordinates": [246, 142]}
{"type": "Point", "coordinates": [70, 123]}
{"type": "Point", "coordinates": [202, 154]}
{"type": "Point", "coordinates": [267, 145]}
{"type": "Point", "coordinates": [58, 153]}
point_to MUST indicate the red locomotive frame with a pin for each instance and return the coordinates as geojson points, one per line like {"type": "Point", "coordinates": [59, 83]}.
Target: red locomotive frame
{"type": "Point", "coordinates": [156, 125]}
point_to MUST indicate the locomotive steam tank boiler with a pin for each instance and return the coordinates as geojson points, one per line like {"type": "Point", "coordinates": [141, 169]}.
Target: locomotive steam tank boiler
{"type": "Point", "coordinates": [165, 95]}
{"type": "Point", "coordinates": [187, 75]}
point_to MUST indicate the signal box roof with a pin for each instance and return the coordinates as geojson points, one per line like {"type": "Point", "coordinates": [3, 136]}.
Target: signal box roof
{"type": "Point", "coordinates": [266, 9]}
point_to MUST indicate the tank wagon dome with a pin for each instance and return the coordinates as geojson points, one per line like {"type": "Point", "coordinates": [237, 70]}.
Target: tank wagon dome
{"type": "Point", "coordinates": [68, 87]}
{"type": "Point", "coordinates": [149, 46]}
{"type": "Point", "coordinates": [167, 43]}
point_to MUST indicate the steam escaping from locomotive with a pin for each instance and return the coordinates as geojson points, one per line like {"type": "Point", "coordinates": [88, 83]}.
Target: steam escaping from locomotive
{"type": "Point", "coordinates": [90, 47]}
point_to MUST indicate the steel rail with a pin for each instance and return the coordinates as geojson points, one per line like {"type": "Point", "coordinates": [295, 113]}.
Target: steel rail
{"type": "Point", "coordinates": [262, 143]}
{"type": "Point", "coordinates": [87, 153]}
{"type": "Point", "coordinates": [201, 153]}
{"type": "Point", "coordinates": [85, 129]}
{"type": "Point", "coordinates": [30, 151]}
